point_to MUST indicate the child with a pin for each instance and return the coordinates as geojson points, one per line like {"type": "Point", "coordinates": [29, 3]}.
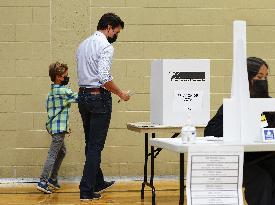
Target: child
{"type": "Point", "coordinates": [58, 105]}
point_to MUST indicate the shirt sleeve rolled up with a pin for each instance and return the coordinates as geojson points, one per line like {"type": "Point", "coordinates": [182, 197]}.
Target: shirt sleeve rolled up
{"type": "Point", "coordinates": [104, 65]}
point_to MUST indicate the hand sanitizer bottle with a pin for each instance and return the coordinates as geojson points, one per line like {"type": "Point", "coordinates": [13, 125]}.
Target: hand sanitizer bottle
{"type": "Point", "coordinates": [188, 132]}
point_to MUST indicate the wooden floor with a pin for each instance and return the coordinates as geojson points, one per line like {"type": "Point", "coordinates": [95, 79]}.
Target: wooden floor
{"type": "Point", "coordinates": [122, 193]}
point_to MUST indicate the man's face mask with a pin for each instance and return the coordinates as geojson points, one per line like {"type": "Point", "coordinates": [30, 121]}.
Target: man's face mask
{"type": "Point", "coordinates": [259, 89]}
{"type": "Point", "coordinates": [65, 81]}
{"type": "Point", "coordinates": [112, 40]}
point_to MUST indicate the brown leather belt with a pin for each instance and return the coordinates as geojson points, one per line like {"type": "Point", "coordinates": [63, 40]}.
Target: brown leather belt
{"type": "Point", "coordinates": [89, 90]}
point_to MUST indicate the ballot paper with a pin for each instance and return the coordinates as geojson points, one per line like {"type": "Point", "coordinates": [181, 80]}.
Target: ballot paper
{"type": "Point", "coordinates": [214, 175]}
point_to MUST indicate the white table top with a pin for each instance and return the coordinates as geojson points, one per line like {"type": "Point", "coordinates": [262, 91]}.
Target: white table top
{"type": "Point", "coordinates": [176, 145]}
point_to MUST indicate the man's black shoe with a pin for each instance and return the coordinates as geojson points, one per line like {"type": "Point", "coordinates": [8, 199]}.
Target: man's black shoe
{"type": "Point", "coordinates": [104, 186]}
{"type": "Point", "coordinates": [89, 197]}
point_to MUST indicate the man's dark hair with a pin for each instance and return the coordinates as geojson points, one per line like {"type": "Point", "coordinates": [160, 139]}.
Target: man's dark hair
{"type": "Point", "coordinates": [109, 19]}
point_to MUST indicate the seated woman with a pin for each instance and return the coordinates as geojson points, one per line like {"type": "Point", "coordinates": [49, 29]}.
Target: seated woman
{"type": "Point", "coordinates": [259, 167]}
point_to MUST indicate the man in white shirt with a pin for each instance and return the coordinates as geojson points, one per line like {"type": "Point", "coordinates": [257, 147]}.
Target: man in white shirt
{"type": "Point", "coordinates": [94, 59]}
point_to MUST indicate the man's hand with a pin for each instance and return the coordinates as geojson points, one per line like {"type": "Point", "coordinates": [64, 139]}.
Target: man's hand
{"type": "Point", "coordinates": [111, 86]}
{"type": "Point", "coordinates": [124, 96]}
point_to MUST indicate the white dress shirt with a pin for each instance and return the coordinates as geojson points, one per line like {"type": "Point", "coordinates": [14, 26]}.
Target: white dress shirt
{"type": "Point", "coordinates": [94, 60]}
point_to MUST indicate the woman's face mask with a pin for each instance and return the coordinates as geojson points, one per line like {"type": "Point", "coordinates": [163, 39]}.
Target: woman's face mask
{"type": "Point", "coordinates": [259, 84]}
{"type": "Point", "coordinates": [259, 89]}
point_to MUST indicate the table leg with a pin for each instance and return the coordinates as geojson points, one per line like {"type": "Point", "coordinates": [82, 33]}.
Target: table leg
{"type": "Point", "coordinates": [153, 156]}
{"type": "Point", "coordinates": [181, 201]}
{"type": "Point", "coordinates": [145, 165]}
{"type": "Point", "coordinates": [157, 151]}
{"type": "Point", "coordinates": [153, 172]}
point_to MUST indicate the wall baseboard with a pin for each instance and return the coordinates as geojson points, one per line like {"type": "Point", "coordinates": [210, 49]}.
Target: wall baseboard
{"type": "Point", "coordinates": [77, 179]}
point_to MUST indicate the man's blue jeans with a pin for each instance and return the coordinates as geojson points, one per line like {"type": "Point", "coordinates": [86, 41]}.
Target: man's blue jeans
{"type": "Point", "coordinates": [95, 111]}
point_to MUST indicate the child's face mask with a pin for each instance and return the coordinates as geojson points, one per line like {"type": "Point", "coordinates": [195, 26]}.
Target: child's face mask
{"type": "Point", "coordinates": [65, 81]}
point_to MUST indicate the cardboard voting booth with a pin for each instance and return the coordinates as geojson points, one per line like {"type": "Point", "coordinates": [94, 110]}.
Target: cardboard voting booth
{"type": "Point", "coordinates": [180, 87]}
{"type": "Point", "coordinates": [242, 114]}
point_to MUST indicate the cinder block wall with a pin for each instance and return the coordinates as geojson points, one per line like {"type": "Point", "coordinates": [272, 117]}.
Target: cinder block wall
{"type": "Point", "coordinates": [34, 33]}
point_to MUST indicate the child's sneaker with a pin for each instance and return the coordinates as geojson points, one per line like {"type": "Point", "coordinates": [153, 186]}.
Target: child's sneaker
{"type": "Point", "coordinates": [53, 184]}
{"type": "Point", "coordinates": [43, 186]}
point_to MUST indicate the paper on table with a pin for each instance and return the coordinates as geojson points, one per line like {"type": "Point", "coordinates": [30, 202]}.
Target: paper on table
{"type": "Point", "coordinates": [187, 101]}
{"type": "Point", "coordinates": [214, 175]}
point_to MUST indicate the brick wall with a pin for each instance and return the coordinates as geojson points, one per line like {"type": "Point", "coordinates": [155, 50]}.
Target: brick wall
{"type": "Point", "coordinates": [34, 33]}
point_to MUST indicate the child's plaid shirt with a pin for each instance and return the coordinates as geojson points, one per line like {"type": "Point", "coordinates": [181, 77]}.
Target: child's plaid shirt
{"type": "Point", "coordinates": [58, 106]}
